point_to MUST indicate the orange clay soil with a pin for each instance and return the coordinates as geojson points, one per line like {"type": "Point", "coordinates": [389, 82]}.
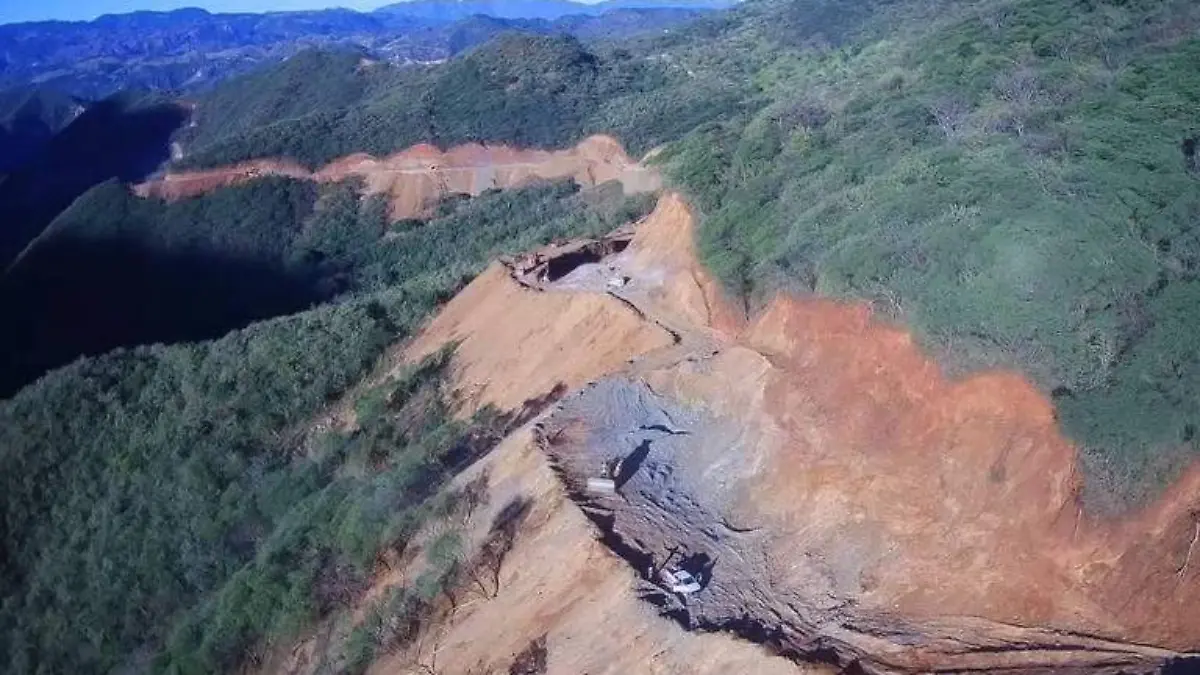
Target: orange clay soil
{"type": "Point", "coordinates": [559, 583]}
{"type": "Point", "coordinates": [415, 178]}
{"type": "Point", "coordinates": [517, 344]}
{"type": "Point", "coordinates": [949, 504]}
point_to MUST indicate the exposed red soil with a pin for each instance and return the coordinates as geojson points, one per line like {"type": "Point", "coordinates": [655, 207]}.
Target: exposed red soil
{"type": "Point", "coordinates": [941, 497]}
{"type": "Point", "coordinates": [664, 247]}
{"type": "Point", "coordinates": [940, 502]}
{"type": "Point", "coordinates": [415, 178]}
{"type": "Point", "coordinates": [516, 344]}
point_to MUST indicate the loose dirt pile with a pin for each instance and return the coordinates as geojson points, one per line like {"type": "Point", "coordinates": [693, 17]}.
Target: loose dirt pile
{"type": "Point", "coordinates": [859, 506]}
{"type": "Point", "coordinates": [417, 177]}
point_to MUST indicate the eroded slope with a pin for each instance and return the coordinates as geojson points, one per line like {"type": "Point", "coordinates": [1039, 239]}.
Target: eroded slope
{"type": "Point", "coordinates": [859, 500]}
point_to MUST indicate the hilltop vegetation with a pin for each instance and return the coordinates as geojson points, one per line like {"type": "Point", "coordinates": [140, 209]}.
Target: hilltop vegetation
{"type": "Point", "coordinates": [1010, 179]}
{"type": "Point", "coordinates": [190, 50]}
{"type": "Point", "coordinates": [186, 48]}
{"type": "Point", "coordinates": [529, 91]}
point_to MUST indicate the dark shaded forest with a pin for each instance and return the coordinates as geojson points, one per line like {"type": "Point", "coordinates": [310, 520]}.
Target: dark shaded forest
{"type": "Point", "coordinates": [125, 137]}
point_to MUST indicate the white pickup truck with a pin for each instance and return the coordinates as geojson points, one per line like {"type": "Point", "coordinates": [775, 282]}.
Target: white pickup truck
{"type": "Point", "coordinates": [679, 581]}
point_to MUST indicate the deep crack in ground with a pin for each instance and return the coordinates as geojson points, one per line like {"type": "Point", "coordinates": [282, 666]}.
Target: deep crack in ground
{"type": "Point", "coordinates": [667, 505]}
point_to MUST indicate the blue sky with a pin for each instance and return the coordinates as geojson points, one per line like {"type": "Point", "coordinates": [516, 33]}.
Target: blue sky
{"type": "Point", "coordinates": [12, 11]}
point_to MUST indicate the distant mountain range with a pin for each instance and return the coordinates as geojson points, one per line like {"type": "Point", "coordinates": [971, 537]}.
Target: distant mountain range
{"type": "Point", "coordinates": [451, 10]}
{"type": "Point", "coordinates": [190, 49]}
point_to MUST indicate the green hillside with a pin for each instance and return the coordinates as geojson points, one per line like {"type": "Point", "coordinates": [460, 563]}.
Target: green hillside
{"type": "Point", "coordinates": [1010, 179]}
{"type": "Point", "coordinates": [161, 496]}
{"type": "Point", "coordinates": [125, 136]}
{"type": "Point", "coordinates": [530, 91]}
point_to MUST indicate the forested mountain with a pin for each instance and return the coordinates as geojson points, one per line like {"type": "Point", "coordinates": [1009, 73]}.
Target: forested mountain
{"type": "Point", "coordinates": [531, 91]}
{"type": "Point", "coordinates": [1014, 181]}
{"type": "Point", "coordinates": [51, 163]}
{"type": "Point", "coordinates": [453, 10]}
{"type": "Point", "coordinates": [191, 49]}
{"type": "Point", "coordinates": [115, 268]}
{"type": "Point", "coordinates": [185, 48]}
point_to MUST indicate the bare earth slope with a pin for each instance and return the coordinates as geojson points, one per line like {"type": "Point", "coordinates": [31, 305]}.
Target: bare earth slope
{"type": "Point", "coordinates": [415, 178]}
{"type": "Point", "coordinates": [562, 584]}
{"type": "Point", "coordinates": [847, 501]}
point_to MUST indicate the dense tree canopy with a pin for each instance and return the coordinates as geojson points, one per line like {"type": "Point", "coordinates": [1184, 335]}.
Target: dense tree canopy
{"type": "Point", "coordinates": [1010, 179]}
{"type": "Point", "coordinates": [525, 90]}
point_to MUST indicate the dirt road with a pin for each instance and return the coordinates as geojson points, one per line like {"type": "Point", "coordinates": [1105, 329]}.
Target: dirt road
{"type": "Point", "coordinates": [417, 177]}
